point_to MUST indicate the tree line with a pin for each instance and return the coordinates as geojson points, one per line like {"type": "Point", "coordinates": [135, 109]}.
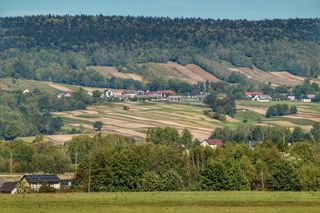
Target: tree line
{"type": "Point", "coordinates": [169, 161]}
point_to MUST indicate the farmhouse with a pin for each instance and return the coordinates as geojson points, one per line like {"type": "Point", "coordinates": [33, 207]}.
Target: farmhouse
{"type": "Point", "coordinates": [291, 97]}
{"type": "Point", "coordinates": [252, 94]}
{"type": "Point", "coordinates": [162, 93]}
{"type": "Point", "coordinates": [35, 181]}
{"type": "Point", "coordinates": [305, 99]}
{"type": "Point", "coordinates": [261, 98]}
{"type": "Point", "coordinates": [111, 93]}
{"type": "Point", "coordinates": [9, 187]}
{"type": "Point", "coordinates": [311, 96]}
{"type": "Point", "coordinates": [64, 94]}
{"type": "Point", "coordinates": [176, 98]}
{"type": "Point", "coordinates": [213, 143]}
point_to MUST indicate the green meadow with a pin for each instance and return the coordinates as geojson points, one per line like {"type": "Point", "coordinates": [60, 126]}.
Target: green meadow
{"type": "Point", "coordinates": [155, 202]}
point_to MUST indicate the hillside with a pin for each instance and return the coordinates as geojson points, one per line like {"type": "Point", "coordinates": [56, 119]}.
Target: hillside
{"type": "Point", "coordinates": [59, 48]}
{"type": "Point", "coordinates": [192, 73]}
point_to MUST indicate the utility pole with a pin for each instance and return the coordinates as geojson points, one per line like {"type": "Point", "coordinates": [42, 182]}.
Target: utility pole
{"type": "Point", "coordinates": [89, 181]}
{"type": "Point", "coordinates": [11, 162]}
{"type": "Point", "coordinates": [75, 163]}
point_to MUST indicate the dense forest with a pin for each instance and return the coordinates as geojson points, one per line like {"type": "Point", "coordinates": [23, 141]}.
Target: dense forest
{"type": "Point", "coordinates": [58, 48]}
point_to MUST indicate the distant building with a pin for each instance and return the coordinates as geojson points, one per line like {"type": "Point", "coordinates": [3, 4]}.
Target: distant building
{"type": "Point", "coordinates": [291, 97]}
{"type": "Point", "coordinates": [261, 98]}
{"type": "Point", "coordinates": [90, 93]}
{"type": "Point", "coordinates": [9, 187]}
{"type": "Point", "coordinates": [108, 94]}
{"type": "Point", "coordinates": [252, 94]}
{"type": "Point", "coordinates": [35, 181]}
{"type": "Point", "coordinates": [305, 99]}
{"type": "Point", "coordinates": [311, 96]}
{"type": "Point", "coordinates": [213, 143]}
{"type": "Point", "coordinates": [177, 98]}
{"type": "Point", "coordinates": [163, 93]}
{"type": "Point", "coordinates": [64, 94]}
{"type": "Point", "coordinates": [25, 91]}
{"type": "Point", "coordinates": [65, 183]}
{"type": "Point", "coordinates": [111, 93]}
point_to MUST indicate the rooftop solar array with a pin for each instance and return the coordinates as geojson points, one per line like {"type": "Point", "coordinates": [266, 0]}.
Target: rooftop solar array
{"type": "Point", "coordinates": [43, 178]}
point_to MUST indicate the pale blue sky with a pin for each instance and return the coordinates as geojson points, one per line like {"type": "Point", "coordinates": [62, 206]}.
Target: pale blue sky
{"type": "Point", "coordinates": [231, 9]}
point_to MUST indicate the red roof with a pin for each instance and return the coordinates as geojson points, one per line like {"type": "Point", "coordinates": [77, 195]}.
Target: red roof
{"type": "Point", "coordinates": [253, 93]}
{"type": "Point", "coordinates": [160, 92]}
{"type": "Point", "coordinates": [216, 142]}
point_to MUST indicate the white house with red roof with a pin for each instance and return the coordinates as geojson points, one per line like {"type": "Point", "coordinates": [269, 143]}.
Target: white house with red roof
{"type": "Point", "coordinates": [213, 143]}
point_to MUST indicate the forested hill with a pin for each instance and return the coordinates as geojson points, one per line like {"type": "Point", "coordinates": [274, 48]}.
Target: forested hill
{"type": "Point", "coordinates": [292, 44]}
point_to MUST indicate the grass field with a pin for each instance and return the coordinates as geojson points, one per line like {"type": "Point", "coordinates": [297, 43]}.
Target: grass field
{"type": "Point", "coordinates": [184, 202]}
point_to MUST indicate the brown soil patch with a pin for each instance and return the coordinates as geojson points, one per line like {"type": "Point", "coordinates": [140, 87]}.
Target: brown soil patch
{"type": "Point", "coordinates": [190, 73]}
{"type": "Point", "coordinates": [114, 72]}
{"type": "Point", "coordinates": [275, 77]}
{"type": "Point", "coordinates": [231, 119]}
{"type": "Point", "coordinates": [258, 110]}
{"type": "Point", "coordinates": [202, 73]}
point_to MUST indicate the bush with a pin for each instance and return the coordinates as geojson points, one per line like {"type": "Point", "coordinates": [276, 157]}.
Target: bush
{"type": "Point", "coordinates": [97, 126]}
{"type": "Point", "coordinates": [46, 188]}
{"type": "Point", "coordinates": [219, 116]}
{"type": "Point", "coordinates": [150, 181]}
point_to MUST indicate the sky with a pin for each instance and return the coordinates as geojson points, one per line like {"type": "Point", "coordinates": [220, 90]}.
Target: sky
{"type": "Point", "coordinates": [223, 9]}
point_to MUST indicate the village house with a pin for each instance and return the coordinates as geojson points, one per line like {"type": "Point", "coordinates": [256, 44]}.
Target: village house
{"type": "Point", "coordinates": [213, 143]}
{"type": "Point", "coordinates": [90, 93]}
{"type": "Point", "coordinates": [177, 98]}
{"type": "Point", "coordinates": [111, 93]}
{"type": "Point", "coordinates": [162, 93]}
{"type": "Point", "coordinates": [291, 97]}
{"type": "Point", "coordinates": [261, 98]}
{"type": "Point", "coordinates": [64, 94]}
{"type": "Point", "coordinates": [35, 181]}
{"type": "Point", "coordinates": [130, 93]}
{"type": "Point", "coordinates": [305, 99]}
{"type": "Point", "coordinates": [252, 94]}
{"type": "Point", "coordinates": [9, 187]}
{"type": "Point", "coordinates": [311, 96]}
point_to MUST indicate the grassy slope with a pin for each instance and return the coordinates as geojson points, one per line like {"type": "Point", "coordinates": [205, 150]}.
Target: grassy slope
{"type": "Point", "coordinates": [21, 84]}
{"type": "Point", "coordinates": [163, 202]}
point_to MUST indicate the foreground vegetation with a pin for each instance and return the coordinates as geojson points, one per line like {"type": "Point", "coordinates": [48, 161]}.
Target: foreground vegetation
{"type": "Point", "coordinates": [163, 202]}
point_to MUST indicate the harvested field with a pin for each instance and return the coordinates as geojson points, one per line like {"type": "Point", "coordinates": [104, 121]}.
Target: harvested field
{"type": "Point", "coordinates": [109, 72]}
{"type": "Point", "coordinates": [143, 115]}
{"type": "Point", "coordinates": [276, 78]}
{"type": "Point", "coordinates": [308, 113]}
{"type": "Point", "coordinates": [190, 73]}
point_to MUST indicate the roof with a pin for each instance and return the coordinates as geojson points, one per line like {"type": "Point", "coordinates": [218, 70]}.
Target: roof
{"type": "Point", "coordinates": [42, 178]}
{"type": "Point", "coordinates": [215, 142]}
{"type": "Point", "coordinates": [66, 181]}
{"type": "Point", "coordinates": [253, 93]}
{"type": "Point", "coordinates": [264, 97]}
{"type": "Point", "coordinates": [160, 92]}
{"type": "Point", "coordinates": [7, 187]}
